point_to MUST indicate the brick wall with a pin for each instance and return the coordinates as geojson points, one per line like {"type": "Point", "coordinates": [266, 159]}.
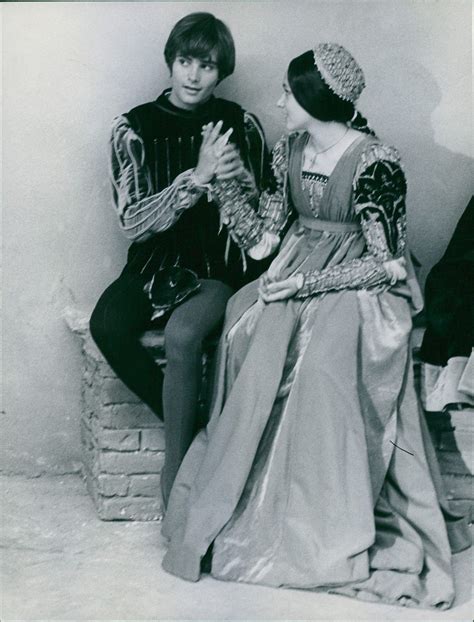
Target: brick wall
{"type": "Point", "coordinates": [122, 441]}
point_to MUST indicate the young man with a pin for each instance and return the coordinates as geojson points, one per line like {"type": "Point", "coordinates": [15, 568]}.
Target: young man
{"type": "Point", "coordinates": [163, 155]}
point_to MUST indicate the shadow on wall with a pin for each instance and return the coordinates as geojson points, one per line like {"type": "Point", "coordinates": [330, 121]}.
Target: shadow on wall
{"type": "Point", "coordinates": [241, 89]}
{"type": "Point", "coordinates": [439, 180]}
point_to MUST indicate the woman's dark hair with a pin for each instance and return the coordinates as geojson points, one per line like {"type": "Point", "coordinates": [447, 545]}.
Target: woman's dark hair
{"type": "Point", "coordinates": [198, 35]}
{"type": "Point", "coordinates": [314, 95]}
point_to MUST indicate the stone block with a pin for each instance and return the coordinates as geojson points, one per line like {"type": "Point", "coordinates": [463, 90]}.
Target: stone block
{"type": "Point", "coordinates": [128, 416]}
{"type": "Point", "coordinates": [120, 440]}
{"type": "Point", "coordinates": [126, 508]}
{"type": "Point", "coordinates": [144, 486]}
{"type": "Point", "coordinates": [153, 439]}
{"type": "Point", "coordinates": [113, 391]}
{"type": "Point", "coordinates": [130, 463]}
{"type": "Point", "coordinates": [113, 485]}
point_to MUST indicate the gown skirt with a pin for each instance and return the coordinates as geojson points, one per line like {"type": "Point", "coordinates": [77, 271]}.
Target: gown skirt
{"type": "Point", "coordinates": [316, 468]}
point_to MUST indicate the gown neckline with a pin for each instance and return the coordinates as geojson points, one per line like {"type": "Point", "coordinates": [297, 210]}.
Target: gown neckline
{"type": "Point", "coordinates": [349, 149]}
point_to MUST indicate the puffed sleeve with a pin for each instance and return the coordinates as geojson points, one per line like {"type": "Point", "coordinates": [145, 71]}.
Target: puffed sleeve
{"type": "Point", "coordinates": [141, 211]}
{"type": "Point", "coordinates": [379, 202]}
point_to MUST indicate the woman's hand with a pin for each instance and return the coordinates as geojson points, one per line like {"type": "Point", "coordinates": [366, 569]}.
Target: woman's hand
{"type": "Point", "coordinates": [396, 269]}
{"type": "Point", "coordinates": [272, 291]}
{"type": "Point", "coordinates": [230, 163]}
{"type": "Point", "coordinates": [212, 147]}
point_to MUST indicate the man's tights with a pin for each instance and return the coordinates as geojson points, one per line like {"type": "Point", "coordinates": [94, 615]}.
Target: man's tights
{"type": "Point", "coordinates": [121, 315]}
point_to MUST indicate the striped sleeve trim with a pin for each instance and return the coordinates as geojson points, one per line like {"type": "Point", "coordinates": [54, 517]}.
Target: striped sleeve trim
{"type": "Point", "coordinates": [142, 213]}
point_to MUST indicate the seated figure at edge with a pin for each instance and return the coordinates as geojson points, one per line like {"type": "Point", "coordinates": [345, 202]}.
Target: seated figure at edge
{"type": "Point", "coordinates": [447, 350]}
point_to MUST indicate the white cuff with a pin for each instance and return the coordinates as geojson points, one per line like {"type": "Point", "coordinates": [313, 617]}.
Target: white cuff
{"type": "Point", "coordinates": [395, 269]}
{"type": "Point", "coordinates": [265, 247]}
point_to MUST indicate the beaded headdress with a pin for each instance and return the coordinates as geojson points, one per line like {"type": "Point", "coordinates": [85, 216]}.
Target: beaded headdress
{"type": "Point", "coordinates": [339, 70]}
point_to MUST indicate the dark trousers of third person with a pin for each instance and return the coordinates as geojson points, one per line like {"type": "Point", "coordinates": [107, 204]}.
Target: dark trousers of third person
{"type": "Point", "coordinates": [120, 317]}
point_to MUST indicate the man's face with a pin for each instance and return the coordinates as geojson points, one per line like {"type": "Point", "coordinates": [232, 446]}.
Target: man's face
{"type": "Point", "coordinates": [193, 80]}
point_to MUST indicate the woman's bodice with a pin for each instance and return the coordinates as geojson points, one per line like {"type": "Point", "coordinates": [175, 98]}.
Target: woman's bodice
{"type": "Point", "coordinates": [313, 187]}
{"type": "Point", "coordinates": [327, 198]}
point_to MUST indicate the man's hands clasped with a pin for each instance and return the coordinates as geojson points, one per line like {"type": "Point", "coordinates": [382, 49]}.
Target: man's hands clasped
{"type": "Point", "coordinates": [217, 157]}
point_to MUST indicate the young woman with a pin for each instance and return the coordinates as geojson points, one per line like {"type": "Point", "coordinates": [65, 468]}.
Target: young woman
{"type": "Point", "coordinates": [315, 470]}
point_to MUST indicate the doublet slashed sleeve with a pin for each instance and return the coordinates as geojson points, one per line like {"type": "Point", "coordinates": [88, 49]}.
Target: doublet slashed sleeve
{"type": "Point", "coordinates": [379, 191]}
{"type": "Point", "coordinates": [141, 211]}
{"type": "Point", "coordinates": [255, 225]}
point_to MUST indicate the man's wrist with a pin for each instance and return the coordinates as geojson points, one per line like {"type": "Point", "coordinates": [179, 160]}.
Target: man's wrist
{"type": "Point", "coordinates": [198, 180]}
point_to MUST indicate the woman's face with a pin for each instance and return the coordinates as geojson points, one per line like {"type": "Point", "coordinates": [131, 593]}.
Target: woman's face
{"type": "Point", "coordinates": [296, 117]}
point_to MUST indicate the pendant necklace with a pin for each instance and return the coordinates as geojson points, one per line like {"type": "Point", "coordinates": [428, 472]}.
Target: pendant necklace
{"type": "Point", "coordinates": [312, 160]}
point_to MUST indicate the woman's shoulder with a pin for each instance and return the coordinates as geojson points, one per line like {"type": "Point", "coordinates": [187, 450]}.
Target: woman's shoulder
{"type": "Point", "coordinates": [375, 150]}
{"type": "Point", "coordinates": [379, 167]}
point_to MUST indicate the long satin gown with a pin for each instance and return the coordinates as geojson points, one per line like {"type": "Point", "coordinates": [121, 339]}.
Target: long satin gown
{"type": "Point", "coordinates": [315, 470]}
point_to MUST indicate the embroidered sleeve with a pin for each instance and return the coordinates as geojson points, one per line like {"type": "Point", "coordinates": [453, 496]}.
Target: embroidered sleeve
{"type": "Point", "coordinates": [359, 273]}
{"type": "Point", "coordinates": [142, 212]}
{"type": "Point", "coordinates": [379, 202]}
{"type": "Point", "coordinates": [379, 196]}
{"type": "Point", "coordinates": [249, 222]}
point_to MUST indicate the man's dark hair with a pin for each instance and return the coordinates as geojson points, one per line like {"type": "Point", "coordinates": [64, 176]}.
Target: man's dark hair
{"type": "Point", "coordinates": [198, 35]}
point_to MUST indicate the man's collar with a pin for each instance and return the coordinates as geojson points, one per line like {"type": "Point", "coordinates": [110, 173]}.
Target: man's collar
{"type": "Point", "coordinates": [164, 103]}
